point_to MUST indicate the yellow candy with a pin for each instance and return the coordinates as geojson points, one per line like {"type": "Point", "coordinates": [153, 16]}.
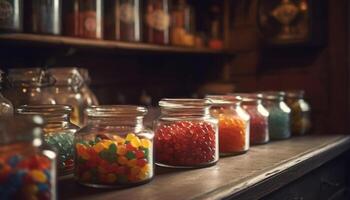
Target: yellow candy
{"type": "Point", "coordinates": [30, 189]}
{"type": "Point", "coordinates": [111, 178]}
{"type": "Point", "coordinates": [132, 163]}
{"type": "Point", "coordinates": [130, 136]}
{"type": "Point", "coordinates": [146, 143]}
{"type": "Point", "coordinates": [122, 160]}
{"type": "Point", "coordinates": [119, 139]}
{"type": "Point", "coordinates": [99, 147]}
{"type": "Point", "coordinates": [135, 171]}
{"type": "Point", "coordinates": [142, 175]}
{"type": "Point", "coordinates": [121, 150]}
{"type": "Point", "coordinates": [135, 142]}
{"type": "Point", "coordinates": [86, 176]}
{"type": "Point", "coordinates": [145, 169]}
{"type": "Point", "coordinates": [38, 176]}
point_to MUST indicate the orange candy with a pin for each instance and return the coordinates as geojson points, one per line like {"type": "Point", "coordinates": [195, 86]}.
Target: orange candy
{"type": "Point", "coordinates": [231, 134]}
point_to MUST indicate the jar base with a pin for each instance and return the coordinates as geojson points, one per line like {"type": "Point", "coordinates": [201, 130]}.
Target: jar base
{"type": "Point", "coordinates": [233, 153]}
{"type": "Point", "coordinates": [187, 167]}
{"type": "Point", "coordinates": [101, 186]}
{"type": "Point", "coordinates": [259, 143]}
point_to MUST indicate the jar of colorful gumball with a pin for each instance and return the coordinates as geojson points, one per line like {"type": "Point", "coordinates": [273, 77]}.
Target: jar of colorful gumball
{"type": "Point", "coordinates": [252, 104]}
{"type": "Point", "coordinates": [27, 169]}
{"type": "Point", "coordinates": [114, 149]}
{"type": "Point", "coordinates": [186, 136]}
{"type": "Point", "coordinates": [58, 131]}
{"type": "Point", "coordinates": [233, 124]}
{"type": "Point", "coordinates": [300, 112]}
{"type": "Point", "coordinates": [279, 118]}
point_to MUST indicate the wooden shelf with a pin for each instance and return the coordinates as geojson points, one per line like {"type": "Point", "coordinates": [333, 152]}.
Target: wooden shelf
{"type": "Point", "coordinates": [272, 166]}
{"type": "Point", "coordinates": [71, 42]}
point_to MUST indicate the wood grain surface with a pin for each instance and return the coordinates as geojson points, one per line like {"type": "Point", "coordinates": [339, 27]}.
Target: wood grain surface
{"type": "Point", "coordinates": [236, 177]}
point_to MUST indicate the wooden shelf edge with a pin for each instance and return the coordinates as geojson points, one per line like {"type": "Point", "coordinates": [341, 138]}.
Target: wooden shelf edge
{"type": "Point", "coordinates": [103, 44]}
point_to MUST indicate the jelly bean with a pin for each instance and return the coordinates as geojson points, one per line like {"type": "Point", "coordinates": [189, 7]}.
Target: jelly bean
{"type": "Point", "coordinates": [132, 163]}
{"type": "Point", "coordinates": [141, 162]}
{"type": "Point", "coordinates": [130, 155]}
{"type": "Point", "coordinates": [14, 160]}
{"type": "Point", "coordinates": [130, 136]}
{"type": "Point", "coordinates": [139, 154]}
{"type": "Point", "coordinates": [135, 142]}
{"type": "Point", "coordinates": [122, 160]}
{"type": "Point", "coordinates": [43, 187]}
{"type": "Point", "coordinates": [30, 189]}
{"type": "Point", "coordinates": [111, 178]}
{"type": "Point", "coordinates": [121, 150]}
{"type": "Point", "coordinates": [38, 176]}
{"type": "Point", "coordinates": [146, 143]}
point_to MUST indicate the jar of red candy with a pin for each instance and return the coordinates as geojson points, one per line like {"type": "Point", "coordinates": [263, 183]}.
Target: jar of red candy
{"type": "Point", "coordinates": [58, 131]}
{"type": "Point", "coordinates": [27, 169]}
{"type": "Point", "coordinates": [186, 136]}
{"type": "Point", "coordinates": [114, 149]}
{"type": "Point", "coordinates": [233, 124]}
{"type": "Point", "coordinates": [259, 130]}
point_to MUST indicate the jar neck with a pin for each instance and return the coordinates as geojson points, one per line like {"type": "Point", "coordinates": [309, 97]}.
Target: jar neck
{"type": "Point", "coordinates": [185, 112]}
{"type": "Point", "coordinates": [126, 121]}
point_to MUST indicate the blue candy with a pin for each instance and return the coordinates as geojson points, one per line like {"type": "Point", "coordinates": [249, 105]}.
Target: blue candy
{"type": "Point", "coordinates": [43, 187]}
{"type": "Point", "coordinates": [14, 160]}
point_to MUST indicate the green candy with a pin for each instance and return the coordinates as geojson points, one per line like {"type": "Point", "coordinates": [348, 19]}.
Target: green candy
{"type": "Point", "coordinates": [130, 155]}
{"type": "Point", "coordinates": [109, 154]}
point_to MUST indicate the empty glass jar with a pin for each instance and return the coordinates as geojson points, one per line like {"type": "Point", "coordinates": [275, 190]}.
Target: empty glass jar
{"type": "Point", "coordinates": [300, 112]}
{"type": "Point", "coordinates": [114, 149]}
{"type": "Point", "coordinates": [71, 89]}
{"type": "Point", "coordinates": [30, 86]}
{"type": "Point", "coordinates": [186, 136]}
{"type": "Point", "coordinates": [233, 124]}
{"type": "Point", "coordinates": [279, 118]}
{"type": "Point", "coordinates": [27, 167]}
{"type": "Point", "coordinates": [58, 132]}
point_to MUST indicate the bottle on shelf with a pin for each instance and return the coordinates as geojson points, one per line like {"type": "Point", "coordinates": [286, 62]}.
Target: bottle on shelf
{"type": "Point", "coordinates": [11, 15]}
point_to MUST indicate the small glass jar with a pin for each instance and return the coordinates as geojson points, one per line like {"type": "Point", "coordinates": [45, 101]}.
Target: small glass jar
{"type": "Point", "coordinates": [186, 136]}
{"type": "Point", "coordinates": [27, 167]}
{"type": "Point", "coordinates": [68, 91]}
{"type": "Point", "coordinates": [279, 118]}
{"type": "Point", "coordinates": [30, 86]}
{"type": "Point", "coordinates": [123, 21]}
{"type": "Point", "coordinates": [6, 107]}
{"type": "Point", "coordinates": [84, 18]}
{"type": "Point", "coordinates": [157, 21]}
{"type": "Point", "coordinates": [11, 15]}
{"type": "Point", "coordinates": [114, 149]}
{"type": "Point", "coordinates": [259, 115]}
{"type": "Point", "coordinates": [233, 124]}
{"type": "Point", "coordinates": [300, 112]}
{"type": "Point", "coordinates": [46, 16]}
{"type": "Point", "coordinates": [58, 132]}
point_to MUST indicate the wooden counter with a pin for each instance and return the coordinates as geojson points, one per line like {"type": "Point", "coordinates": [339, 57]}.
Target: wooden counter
{"type": "Point", "coordinates": [264, 169]}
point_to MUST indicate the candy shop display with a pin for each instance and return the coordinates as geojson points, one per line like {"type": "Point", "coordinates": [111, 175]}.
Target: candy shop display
{"type": "Point", "coordinates": [45, 16]}
{"type": "Point", "coordinates": [27, 170]}
{"type": "Point", "coordinates": [11, 15]}
{"type": "Point", "coordinates": [233, 124]}
{"type": "Point", "coordinates": [279, 118]}
{"type": "Point", "coordinates": [300, 112]}
{"type": "Point", "coordinates": [71, 89]}
{"type": "Point", "coordinates": [58, 132]}
{"type": "Point", "coordinates": [157, 21]}
{"type": "Point", "coordinates": [29, 86]}
{"type": "Point", "coordinates": [114, 149]}
{"type": "Point", "coordinates": [186, 136]}
{"type": "Point", "coordinates": [259, 130]}
{"type": "Point", "coordinates": [123, 20]}
{"type": "Point", "coordinates": [83, 18]}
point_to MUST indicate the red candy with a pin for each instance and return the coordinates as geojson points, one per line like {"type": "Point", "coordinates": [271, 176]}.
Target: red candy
{"type": "Point", "coordinates": [185, 143]}
{"type": "Point", "coordinates": [259, 132]}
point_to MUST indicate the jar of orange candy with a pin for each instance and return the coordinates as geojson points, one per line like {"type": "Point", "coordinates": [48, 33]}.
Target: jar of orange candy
{"type": "Point", "coordinates": [233, 124]}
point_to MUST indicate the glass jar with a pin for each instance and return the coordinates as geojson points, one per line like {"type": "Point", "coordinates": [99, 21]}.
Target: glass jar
{"type": "Point", "coordinates": [88, 95]}
{"type": "Point", "coordinates": [45, 16]}
{"type": "Point", "coordinates": [11, 15]}
{"type": "Point", "coordinates": [300, 112]}
{"type": "Point", "coordinates": [259, 130]}
{"type": "Point", "coordinates": [233, 124]}
{"type": "Point", "coordinates": [58, 132]}
{"type": "Point", "coordinates": [157, 21]}
{"type": "Point", "coordinates": [27, 167]}
{"type": "Point", "coordinates": [84, 18]}
{"type": "Point", "coordinates": [29, 86]}
{"type": "Point", "coordinates": [114, 149]}
{"type": "Point", "coordinates": [122, 20]}
{"type": "Point", "coordinates": [186, 136]}
{"type": "Point", "coordinates": [6, 107]}
{"type": "Point", "coordinates": [279, 118]}
{"type": "Point", "coordinates": [68, 91]}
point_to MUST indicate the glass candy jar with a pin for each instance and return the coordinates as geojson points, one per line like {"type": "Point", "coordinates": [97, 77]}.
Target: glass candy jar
{"type": "Point", "coordinates": [27, 167]}
{"type": "Point", "coordinates": [58, 132]}
{"type": "Point", "coordinates": [29, 86]}
{"type": "Point", "coordinates": [233, 124]}
{"type": "Point", "coordinates": [259, 115]}
{"type": "Point", "coordinates": [300, 112]}
{"type": "Point", "coordinates": [279, 118]}
{"type": "Point", "coordinates": [114, 149]}
{"type": "Point", "coordinates": [70, 89]}
{"type": "Point", "coordinates": [6, 107]}
{"type": "Point", "coordinates": [186, 136]}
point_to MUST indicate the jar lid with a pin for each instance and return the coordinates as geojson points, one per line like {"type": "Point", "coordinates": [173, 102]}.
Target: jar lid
{"type": "Point", "coordinates": [31, 77]}
{"type": "Point", "coordinates": [224, 99]}
{"type": "Point", "coordinates": [248, 97]}
{"type": "Point", "coordinates": [273, 95]}
{"type": "Point", "coordinates": [115, 111]}
{"type": "Point", "coordinates": [69, 76]}
{"type": "Point", "coordinates": [184, 103]}
{"type": "Point", "coordinates": [295, 94]}
{"type": "Point", "coordinates": [44, 110]}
